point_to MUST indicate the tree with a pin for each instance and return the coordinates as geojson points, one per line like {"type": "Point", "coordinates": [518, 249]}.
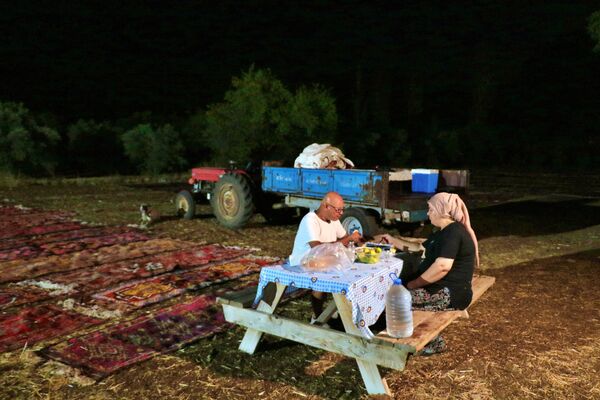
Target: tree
{"type": "Point", "coordinates": [154, 150]}
{"type": "Point", "coordinates": [25, 145]}
{"type": "Point", "coordinates": [261, 119]}
{"type": "Point", "coordinates": [310, 116]}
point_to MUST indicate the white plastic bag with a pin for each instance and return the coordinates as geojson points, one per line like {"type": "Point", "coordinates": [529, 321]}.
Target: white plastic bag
{"type": "Point", "coordinates": [328, 257]}
{"type": "Point", "coordinates": [323, 156]}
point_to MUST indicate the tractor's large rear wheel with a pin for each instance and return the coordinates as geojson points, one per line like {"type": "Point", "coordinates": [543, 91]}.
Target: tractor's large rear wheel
{"type": "Point", "coordinates": [232, 201]}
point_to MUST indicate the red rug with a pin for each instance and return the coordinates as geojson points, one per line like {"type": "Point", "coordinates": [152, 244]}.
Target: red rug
{"type": "Point", "coordinates": [8, 211]}
{"type": "Point", "coordinates": [97, 354]}
{"type": "Point", "coordinates": [27, 220]}
{"type": "Point", "coordinates": [17, 270]}
{"type": "Point", "coordinates": [11, 296]}
{"type": "Point", "coordinates": [14, 210]}
{"type": "Point", "coordinates": [35, 324]}
{"type": "Point", "coordinates": [64, 236]}
{"type": "Point", "coordinates": [100, 353]}
{"type": "Point", "coordinates": [71, 246]}
{"type": "Point", "coordinates": [32, 291]}
{"type": "Point", "coordinates": [19, 233]}
{"type": "Point", "coordinates": [137, 294]}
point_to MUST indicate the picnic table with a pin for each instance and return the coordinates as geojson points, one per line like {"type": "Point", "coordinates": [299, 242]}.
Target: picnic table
{"type": "Point", "coordinates": [359, 298]}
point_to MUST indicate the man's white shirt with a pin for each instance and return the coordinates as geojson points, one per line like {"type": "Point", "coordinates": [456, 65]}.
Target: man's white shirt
{"type": "Point", "coordinates": [312, 228]}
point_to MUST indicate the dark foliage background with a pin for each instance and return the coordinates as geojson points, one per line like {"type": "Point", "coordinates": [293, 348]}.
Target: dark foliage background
{"type": "Point", "coordinates": [453, 84]}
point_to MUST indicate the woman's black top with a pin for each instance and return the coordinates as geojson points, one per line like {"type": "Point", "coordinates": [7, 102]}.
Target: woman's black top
{"type": "Point", "coordinates": [452, 242]}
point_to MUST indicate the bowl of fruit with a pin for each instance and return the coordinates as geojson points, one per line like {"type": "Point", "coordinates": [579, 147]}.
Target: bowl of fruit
{"type": "Point", "coordinates": [368, 255]}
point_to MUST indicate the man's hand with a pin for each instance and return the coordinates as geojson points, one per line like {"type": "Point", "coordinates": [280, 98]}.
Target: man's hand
{"type": "Point", "coordinates": [355, 236]}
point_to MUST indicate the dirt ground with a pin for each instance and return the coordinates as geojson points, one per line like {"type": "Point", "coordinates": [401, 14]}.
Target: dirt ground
{"type": "Point", "coordinates": [535, 334]}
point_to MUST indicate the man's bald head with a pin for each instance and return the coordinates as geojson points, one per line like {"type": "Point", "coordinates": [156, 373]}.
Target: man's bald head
{"type": "Point", "coordinates": [333, 199]}
{"type": "Point", "coordinates": [332, 207]}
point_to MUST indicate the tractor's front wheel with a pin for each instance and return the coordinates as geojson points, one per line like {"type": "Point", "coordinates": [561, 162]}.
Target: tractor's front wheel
{"type": "Point", "coordinates": [232, 200]}
{"type": "Point", "coordinates": [185, 205]}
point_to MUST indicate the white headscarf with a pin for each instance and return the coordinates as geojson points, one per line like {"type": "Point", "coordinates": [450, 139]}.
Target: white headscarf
{"type": "Point", "coordinates": [450, 205]}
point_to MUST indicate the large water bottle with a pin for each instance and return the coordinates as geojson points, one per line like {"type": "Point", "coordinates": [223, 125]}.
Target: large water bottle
{"type": "Point", "coordinates": [398, 310]}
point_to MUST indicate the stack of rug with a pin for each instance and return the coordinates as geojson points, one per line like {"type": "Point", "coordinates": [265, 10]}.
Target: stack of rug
{"type": "Point", "coordinates": [49, 260]}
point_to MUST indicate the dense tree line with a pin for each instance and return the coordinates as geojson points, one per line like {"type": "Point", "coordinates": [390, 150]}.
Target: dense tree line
{"type": "Point", "coordinates": [258, 119]}
{"type": "Point", "coordinates": [464, 84]}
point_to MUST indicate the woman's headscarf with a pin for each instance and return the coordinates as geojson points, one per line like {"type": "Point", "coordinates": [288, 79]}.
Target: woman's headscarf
{"type": "Point", "coordinates": [450, 205]}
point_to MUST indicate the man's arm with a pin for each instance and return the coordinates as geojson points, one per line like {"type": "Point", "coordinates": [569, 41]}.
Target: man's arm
{"type": "Point", "coordinates": [354, 237]}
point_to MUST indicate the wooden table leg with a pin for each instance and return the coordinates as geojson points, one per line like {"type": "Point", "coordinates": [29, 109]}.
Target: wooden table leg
{"type": "Point", "coordinates": [368, 370]}
{"type": "Point", "coordinates": [326, 315]}
{"type": "Point", "coordinates": [252, 336]}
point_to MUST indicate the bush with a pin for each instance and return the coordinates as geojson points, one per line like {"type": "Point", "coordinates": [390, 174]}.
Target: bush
{"type": "Point", "coordinates": [25, 145]}
{"type": "Point", "coordinates": [594, 29]}
{"type": "Point", "coordinates": [154, 151]}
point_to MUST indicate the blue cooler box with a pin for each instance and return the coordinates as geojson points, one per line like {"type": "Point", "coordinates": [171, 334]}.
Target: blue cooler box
{"type": "Point", "coordinates": [424, 180]}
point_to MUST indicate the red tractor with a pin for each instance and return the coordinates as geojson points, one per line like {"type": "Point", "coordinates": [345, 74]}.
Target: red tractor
{"type": "Point", "coordinates": [234, 195]}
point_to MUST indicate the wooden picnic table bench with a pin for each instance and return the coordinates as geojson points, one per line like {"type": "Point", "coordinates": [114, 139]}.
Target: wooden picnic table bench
{"type": "Point", "coordinates": [369, 353]}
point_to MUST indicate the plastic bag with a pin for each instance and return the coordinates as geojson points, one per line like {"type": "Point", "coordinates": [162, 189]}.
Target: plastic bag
{"type": "Point", "coordinates": [328, 257]}
{"type": "Point", "coordinates": [323, 156]}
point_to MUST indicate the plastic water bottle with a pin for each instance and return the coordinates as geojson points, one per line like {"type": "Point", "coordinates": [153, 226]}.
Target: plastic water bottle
{"type": "Point", "coordinates": [352, 251]}
{"type": "Point", "coordinates": [398, 310]}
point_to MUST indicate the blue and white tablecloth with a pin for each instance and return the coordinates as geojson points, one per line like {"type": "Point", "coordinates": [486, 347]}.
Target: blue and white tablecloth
{"type": "Point", "coordinates": [364, 285]}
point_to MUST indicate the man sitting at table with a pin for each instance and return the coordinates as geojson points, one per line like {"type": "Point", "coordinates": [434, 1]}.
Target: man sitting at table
{"type": "Point", "coordinates": [318, 227]}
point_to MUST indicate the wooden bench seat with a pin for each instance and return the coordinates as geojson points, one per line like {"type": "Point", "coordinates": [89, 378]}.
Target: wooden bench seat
{"type": "Point", "coordinates": [429, 324]}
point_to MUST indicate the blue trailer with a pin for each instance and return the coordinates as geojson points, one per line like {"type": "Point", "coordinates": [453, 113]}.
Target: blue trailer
{"type": "Point", "coordinates": [372, 197]}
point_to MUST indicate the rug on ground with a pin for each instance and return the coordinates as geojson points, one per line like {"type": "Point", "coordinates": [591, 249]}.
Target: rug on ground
{"type": "Point", "coordinates": [61, 236]}
{"type": "Point", "coordinates": [16, 270]}
{"type": "Point", "coordinates": [100, 353]}
{"type": "Point", "coordinates": [31, 325]}
{"type": "Point", "coordinates": [27, 252]}
{"type": "Point", "coordinates": [81, 283]}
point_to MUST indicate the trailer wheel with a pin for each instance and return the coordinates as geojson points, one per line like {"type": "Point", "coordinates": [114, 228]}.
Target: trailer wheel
{"type": "Point", "coordinates": [355, 218]}
{"type": "Point", "coordinates": [185, 205]}
{"type": "Point", "coordinates": [232, 201]}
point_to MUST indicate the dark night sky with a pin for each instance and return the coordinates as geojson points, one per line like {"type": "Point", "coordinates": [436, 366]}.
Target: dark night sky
{"type": "Point", "coordinates": [532, 63]}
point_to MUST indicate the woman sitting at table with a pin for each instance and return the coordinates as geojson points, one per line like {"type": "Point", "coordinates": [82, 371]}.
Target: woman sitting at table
{"type": "Point", "coordinates": [442, 280]}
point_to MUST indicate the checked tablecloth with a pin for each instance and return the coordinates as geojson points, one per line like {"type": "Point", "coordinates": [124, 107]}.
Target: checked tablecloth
{"type": "Point", "coordinates": [364, 285]}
